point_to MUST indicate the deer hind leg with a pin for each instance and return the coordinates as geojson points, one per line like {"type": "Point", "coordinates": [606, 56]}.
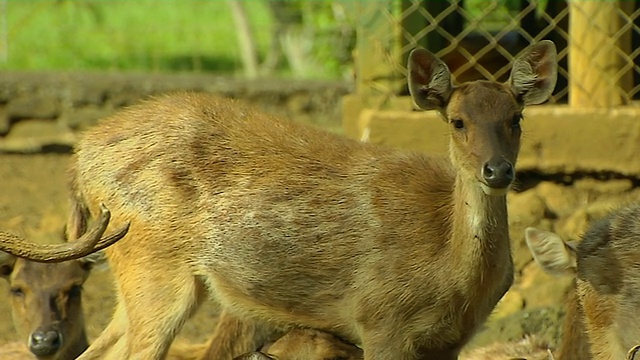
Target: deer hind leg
{"type": "Point", "coordinates": [158, 291]}
{"type": "Point", "coordinates": [157, 310]}
{"type": "Point", "coordinates": [234, 336]}
{"type": "Point", "coordinates": [110, 336]}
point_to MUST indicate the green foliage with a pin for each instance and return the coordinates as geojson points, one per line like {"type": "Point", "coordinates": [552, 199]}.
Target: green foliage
{"type": "Point", "coordinates": [334, 34]}
{"type": "Point", "coordinates": [493, 15]}
{"type": "Point", "coordinates": [156, 35]}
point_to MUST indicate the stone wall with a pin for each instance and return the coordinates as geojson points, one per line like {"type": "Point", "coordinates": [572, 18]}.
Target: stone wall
{"type": "Point", "coordinates": [44, 111]}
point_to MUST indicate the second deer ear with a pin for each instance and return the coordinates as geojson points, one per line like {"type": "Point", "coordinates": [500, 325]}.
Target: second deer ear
{"type": "Point", "coordinates": [429, 80]}
{"type": "Point", "coordinates": [553, 255]}
{"type": "Point", "coordinates": [97, 260]}
{"type": "Point", "coordinates": [7, 261]}
{"type": "Point", "coordinates": [534, 73]}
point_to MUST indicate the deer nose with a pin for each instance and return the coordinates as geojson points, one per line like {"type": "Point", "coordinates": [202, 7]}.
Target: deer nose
{"type": "Point", "coordinates": [498, 173]}
{"type": "Point", "coordinates": [45, 342]}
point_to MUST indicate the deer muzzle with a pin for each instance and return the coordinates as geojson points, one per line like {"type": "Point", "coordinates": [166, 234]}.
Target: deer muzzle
{"type": "Point", "coordinates": [45, 342]}
{"type": "Point", "coordinates": [497, 176]}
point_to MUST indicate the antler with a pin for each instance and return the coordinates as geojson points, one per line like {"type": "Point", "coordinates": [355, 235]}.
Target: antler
{"type": "Point", "coordinates": [88, 243]}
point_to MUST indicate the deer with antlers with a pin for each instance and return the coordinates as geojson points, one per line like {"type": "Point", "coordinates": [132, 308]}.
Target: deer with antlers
{"type": "Point", "coordinates": [46, 303]}
{"type": "Point", "coordinates": [405, 254]}
{"type": "Point", "coordinates": [46, 306]}
{"type": "Point", "coordinates": [46, 300]}
{"type": "Point", "coordinates": [47, 312]}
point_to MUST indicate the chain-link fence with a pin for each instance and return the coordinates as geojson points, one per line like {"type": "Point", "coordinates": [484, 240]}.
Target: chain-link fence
{"type": "Point", "coordinates": [597, 49]}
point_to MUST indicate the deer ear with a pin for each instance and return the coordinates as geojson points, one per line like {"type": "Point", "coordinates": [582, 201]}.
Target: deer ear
{"type": "Point", "coordinates": [429, 80]}
{"type": "Point", "coordinates": [534, 73]}
{"type": "Point", "coordinates": [7, 261]}
{"type": "Point", "coordinates": [97, 260]}
{"type": "Point", "coordinates": [550, 252]}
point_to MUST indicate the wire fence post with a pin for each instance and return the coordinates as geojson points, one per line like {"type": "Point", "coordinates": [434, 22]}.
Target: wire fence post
{"type": "Point", "coordinates": [598, 50]}
{"type": "Point", "coordinates": [377, 49]}
{"type": "Point", "coordinates": [594, 54]}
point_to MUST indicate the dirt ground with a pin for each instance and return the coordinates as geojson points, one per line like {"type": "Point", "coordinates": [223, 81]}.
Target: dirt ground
{"type": "Point", "coordinates": [33, 204]}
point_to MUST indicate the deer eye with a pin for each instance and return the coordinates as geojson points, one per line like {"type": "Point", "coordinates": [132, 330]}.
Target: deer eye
{"type": "Point", "coordinates": [75, 290]}
{"type": "Point", "coordinates": [515, 122]}
{"type": "Point", "coordinates": [16, 291]}
{"type": "Point", "coordinates": [458, 124]}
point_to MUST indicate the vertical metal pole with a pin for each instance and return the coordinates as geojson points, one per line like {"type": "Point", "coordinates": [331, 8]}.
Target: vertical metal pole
{"type": "Point", "coordinates": [4, 38]}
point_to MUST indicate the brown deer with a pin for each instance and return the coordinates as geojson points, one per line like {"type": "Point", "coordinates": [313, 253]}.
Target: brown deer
{"type": "Point", "coordinates": [602, 320]}
{"type": "Point", "coordinates": [45, 298]}
{"type": "Point", "coordinates": [46, 304]}
{"type": "Point", "coordinates": [402, 253]}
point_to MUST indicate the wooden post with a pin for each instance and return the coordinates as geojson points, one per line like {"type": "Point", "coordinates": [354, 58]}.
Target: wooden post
{"type": "Point", "coordinates": [594, 54]}
{"type": "Point", "coordinates": [246, 41]}
{"type": "Point", "coordinates": [377, 53]}
{"type": "Point", "coordinates": [626, 39]}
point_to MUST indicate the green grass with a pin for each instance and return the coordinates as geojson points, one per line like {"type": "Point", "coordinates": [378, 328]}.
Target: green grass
{"type": "Point", "coordinates": [156, 35]}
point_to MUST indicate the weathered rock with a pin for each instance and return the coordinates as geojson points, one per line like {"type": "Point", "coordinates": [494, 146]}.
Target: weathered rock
{"type": "Point", "coordinates": [613, 186]}
{"type": "Point", "coordinates": [525, 207]}
{"type": "Point", "coordinates": [85, 117]}
{"type": "Point", "coordinates": [560, 200]}
{"type": "Point", "coordinates": [5, 122]}
{"type": "Point", "coordinates": [33, 107]}
{"type": "Point", "coordinates": [32, 136]}
{"type": "Point", "coordinates": [510, 303]}
{"type": "Point", "coordinates": [84, 93]}
{"type": "Point", "coordinates": [540, 289]}
{"type": "Point", "coordinates": [544, 322]}
{"type": "Point", "coordinates": [574, 225]}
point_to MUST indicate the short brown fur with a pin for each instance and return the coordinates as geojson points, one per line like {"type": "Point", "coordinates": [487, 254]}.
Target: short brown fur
{"type": "Point", "coordinates": [46, 298]}
{"type": "Point", "coordinates": [306, 344]}
{"type": "Point", "coordinates": [46, 304]}
{"type": "Point", "coordinates": [602, 321]}
{"type": "Point", "coordinates": [404, 254]}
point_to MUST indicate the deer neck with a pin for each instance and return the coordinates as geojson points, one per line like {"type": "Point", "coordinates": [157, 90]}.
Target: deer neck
{"type": "Point", "coordinates": [574, 343]}
{"type": "Point", "coordinates": [78, 344]}
{"type": "Point", "coordinates": [480, 216]}
{"type": "Point", "coordinates": [480, 232]}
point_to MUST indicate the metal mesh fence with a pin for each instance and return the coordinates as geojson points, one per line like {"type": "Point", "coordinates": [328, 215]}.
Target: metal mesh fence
{"type": "Point", "coordinates": [478, 39]}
